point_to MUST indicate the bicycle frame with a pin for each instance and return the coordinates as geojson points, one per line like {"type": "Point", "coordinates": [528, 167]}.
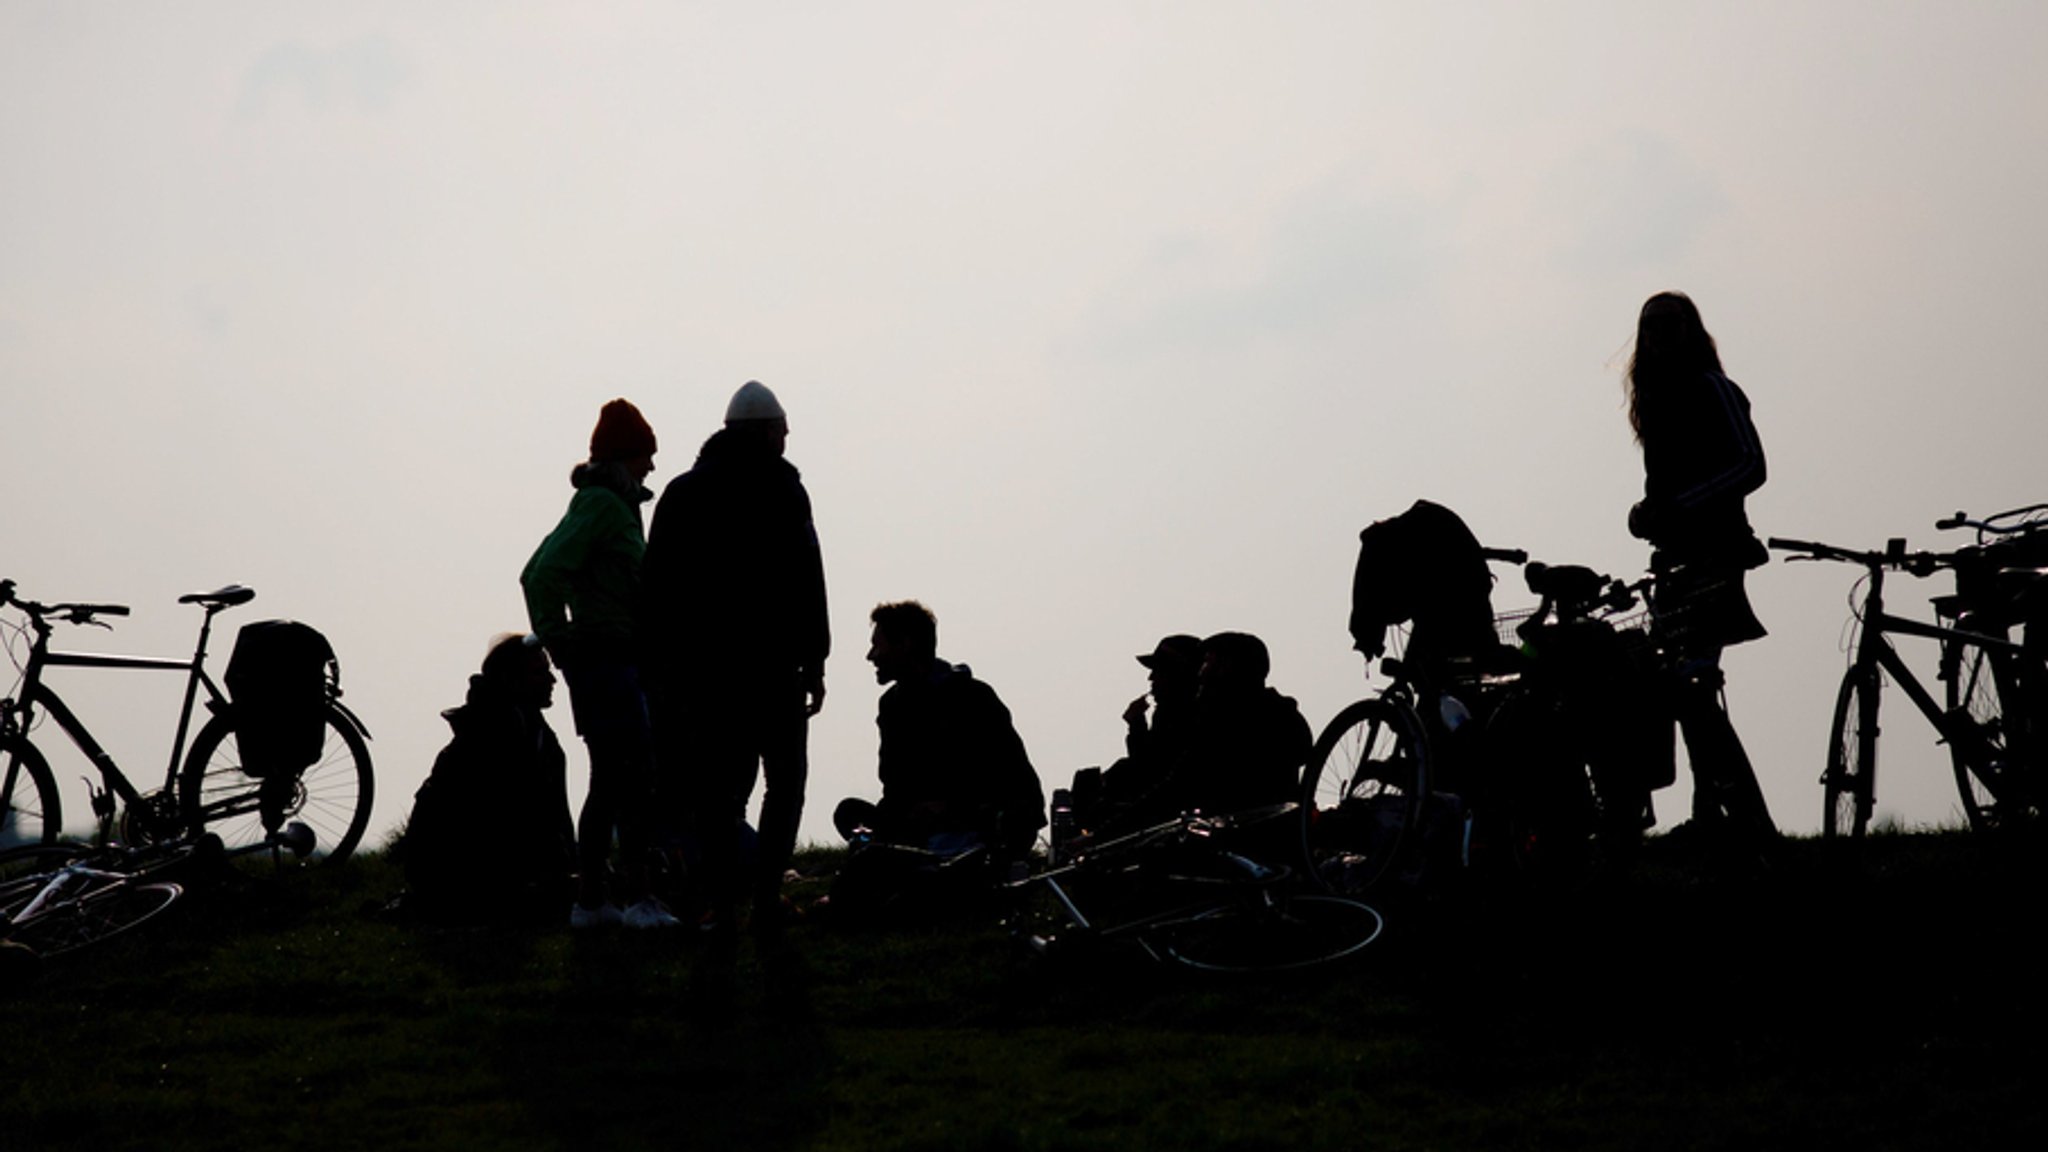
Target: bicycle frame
{"type": "Point", "coordinates": [17, 717]}
{"type": "Point", "coordinates": [1875, 650]}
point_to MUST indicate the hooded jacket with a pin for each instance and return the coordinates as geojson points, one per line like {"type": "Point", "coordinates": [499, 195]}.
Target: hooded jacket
{"type": "Point", "coordinates": [495, 806]}
{"type": "Point", "coordinates": [733, 580]}
{"type": "Point", "coordinates": [583, 582]}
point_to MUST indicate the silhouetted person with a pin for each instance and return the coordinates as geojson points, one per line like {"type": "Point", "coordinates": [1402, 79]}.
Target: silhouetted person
{"type": "Point", "coordinates": [1249, 741]}
{"type": "Point", "coordinates": [954, 771]}
{"type": "Point", "coordinates": [1159, 728]}
{"type": "Point", "coordinates": [489, 838]}
{"type": "Point", "coordinates": [582, 589]}
{"type": "Point", "coordinates": [1701, 457]}
{"type": "Point", "coordinates": [737, 631]}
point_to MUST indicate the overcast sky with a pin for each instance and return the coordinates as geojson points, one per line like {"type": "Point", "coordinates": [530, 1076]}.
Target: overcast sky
{"type": "Point", "coordinates": [1094, 321]}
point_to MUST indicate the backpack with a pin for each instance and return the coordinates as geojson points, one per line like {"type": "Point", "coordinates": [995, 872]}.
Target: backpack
{"type": "Point", "coordinates": [279, 680]}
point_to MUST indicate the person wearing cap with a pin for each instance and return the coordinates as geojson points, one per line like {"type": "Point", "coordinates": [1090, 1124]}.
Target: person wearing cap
{"type": "Point", "coordinates": [734, 608]}
{"type": "Point", "coordinates": [1158, 728]}
{"type": "Point", "coordinates": [489, 838]}
{"type": "Point", "coordinates": [582, 592]}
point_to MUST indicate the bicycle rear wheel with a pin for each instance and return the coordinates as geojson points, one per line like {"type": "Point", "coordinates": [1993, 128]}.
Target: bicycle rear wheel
{"type": "Point", "coordinates": [1990, 775]}
{"type": "Point", "coordinates": [1269, 934]}
{"type": "Point", "coordinates": [1362, 794]}
{"type": "Point", "coordinates": [74, 921]}
{"type": "Point", "coordinates": [1850, 781]}
{"type": "Point", "coordinates": [332, 795]}
{"type": "Point", "coordinates": [30, 812]}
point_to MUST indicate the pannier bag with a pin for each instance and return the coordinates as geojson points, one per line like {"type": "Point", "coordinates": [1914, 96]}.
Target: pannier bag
{"type": "Point", "coordinates": [278, 682]}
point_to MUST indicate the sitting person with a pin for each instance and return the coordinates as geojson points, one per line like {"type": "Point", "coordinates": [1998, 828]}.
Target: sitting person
{"type": "Point", "coordinates": [490, 836]}
{"type": "Point", "coordinates": [954, 772]}
{"type": "Point", "coordinates": [1249, 741]}
{"type": "Point", "coordinates": [1160, 729]}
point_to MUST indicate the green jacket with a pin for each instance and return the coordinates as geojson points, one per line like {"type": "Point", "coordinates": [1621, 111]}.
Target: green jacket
{"type": "Point", "coordinates": [584, 579]}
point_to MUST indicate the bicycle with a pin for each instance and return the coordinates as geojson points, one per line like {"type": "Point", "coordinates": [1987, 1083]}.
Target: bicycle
{"type": "Point", "coordinates": [1993, 746]}
{"type": "Point", "coordinates": [206, 788]}
{"type": "Point", "coordinates": [56, 898]}
{"type": "Point", "coordinates": [1534, 755]}
{"type": "Point", "coordinates": [1184, 897]}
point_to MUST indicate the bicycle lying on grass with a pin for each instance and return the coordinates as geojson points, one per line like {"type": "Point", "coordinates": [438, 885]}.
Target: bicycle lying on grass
{"type": "Point", "coordinates": [211, 788]}
{"type": "Point", "coordinates": [55, 898]}
{"type": "Point", "coordinates": [1992, 718]}
{"type": "Point", "coordinates": [1178, 892]}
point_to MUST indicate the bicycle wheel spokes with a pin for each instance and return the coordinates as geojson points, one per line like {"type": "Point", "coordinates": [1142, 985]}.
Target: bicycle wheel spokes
{"type": "Point", "coordinates": [1849, 783]}
{"type": "Point", "coordinates": [332, 795]}
{"type": "Point", "coordinates": [1989, 769]}
{"type": "Point", "coordinates": [29, 808]}
{"type": "Point", "coordinates": [1362, 793]}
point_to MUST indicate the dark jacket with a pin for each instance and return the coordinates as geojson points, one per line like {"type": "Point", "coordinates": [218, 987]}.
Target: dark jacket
{"type": "Point", "coordinates": [733, 582]}
{"type": "Point", "coordinates": [951, 761]}
{"type": "Point", "coordinates": [1247, 752]}
{"type": "Point", "coordinates": [494, 813]}
{"type": "Point", "coordinates": [1701, 457]}
{"type": "Point", "coordinates": [1426, 566]}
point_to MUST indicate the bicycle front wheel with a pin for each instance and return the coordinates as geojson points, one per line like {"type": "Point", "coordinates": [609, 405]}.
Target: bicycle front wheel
{"type": "Point", "coordinates": [67, 924]}
{"type": "Point", "coordinates": [30, 812]}
{"type": "Point", "coordinates": [1850, 782]}
{"type": "Point", "coordinates": [1987, 774]}
{"type": "Point", "coordinates": [1270, 934]}
{"type": "Point", "coordinates": [1362, 794]}
{"type": "Point", "coordinates": [332, 795]}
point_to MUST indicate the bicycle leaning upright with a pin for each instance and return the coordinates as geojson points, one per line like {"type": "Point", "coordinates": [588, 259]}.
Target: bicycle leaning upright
{"type": "Point", "coordinates": [1992, 719]}
{"type": "Point", "coordinates": [232, 782]}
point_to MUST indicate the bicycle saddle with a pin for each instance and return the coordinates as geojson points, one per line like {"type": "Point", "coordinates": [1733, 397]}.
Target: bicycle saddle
{"type": "Point", "coordinates": [227, 597]}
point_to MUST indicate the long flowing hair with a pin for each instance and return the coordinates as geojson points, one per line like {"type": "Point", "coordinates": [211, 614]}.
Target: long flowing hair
{"type": "Point", "coordinates": [1671, 342]}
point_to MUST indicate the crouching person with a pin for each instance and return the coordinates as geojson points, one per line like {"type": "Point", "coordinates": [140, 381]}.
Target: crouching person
{"type": "Point", "coordinates": [490, 839]}
{"type": "Point", "coordinates": [958, 790]}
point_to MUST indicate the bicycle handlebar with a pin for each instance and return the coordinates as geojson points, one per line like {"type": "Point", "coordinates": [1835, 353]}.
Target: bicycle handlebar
{"type": "Point", "coordinates": [69, 613]}
{"type": "Point", "coordinates": [1505, 555]}
{"type": "Point", "coordinates": [1894, 555]}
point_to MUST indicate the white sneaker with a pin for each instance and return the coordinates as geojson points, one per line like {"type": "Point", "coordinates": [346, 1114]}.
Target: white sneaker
{"type": "Point", "coordinates": [602, 916]}
{"type": "Point", "coordinates": [649, 913]}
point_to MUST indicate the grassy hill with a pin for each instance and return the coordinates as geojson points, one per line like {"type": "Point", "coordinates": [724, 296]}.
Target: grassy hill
{"type": "Point", "coordinates": [1890, 996]}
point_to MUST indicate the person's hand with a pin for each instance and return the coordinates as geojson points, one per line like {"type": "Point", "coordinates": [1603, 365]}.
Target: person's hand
{"type": "Point", "coordinates": [814, 692]}
{"type": "Point", "coordinates": [1135, 714]}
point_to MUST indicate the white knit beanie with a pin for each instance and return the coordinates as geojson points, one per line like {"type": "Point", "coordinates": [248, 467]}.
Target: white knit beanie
{"type": "Point", "coordinates": [754, 402]}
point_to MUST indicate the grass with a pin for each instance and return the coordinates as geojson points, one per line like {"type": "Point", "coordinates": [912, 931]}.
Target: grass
{"type": "Point", "coordinates": [1884, 998]}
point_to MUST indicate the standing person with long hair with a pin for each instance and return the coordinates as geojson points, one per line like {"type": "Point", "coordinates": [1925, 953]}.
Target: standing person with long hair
{"type": "Point", "coordinates": [1701, 458]}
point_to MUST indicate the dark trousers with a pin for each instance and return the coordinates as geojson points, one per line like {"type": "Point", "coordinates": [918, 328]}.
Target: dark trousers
{"type": "Point", "coordinates": [611, 716]}
{"type": "Point", "coordinates": [721, 738]}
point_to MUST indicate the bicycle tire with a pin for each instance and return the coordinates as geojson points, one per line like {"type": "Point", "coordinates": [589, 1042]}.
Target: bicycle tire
{"type": "Point", "coordinates": [1986, 777]}
{"type": "Point", "coordinates": [25, 870]}
{"type": "Point", "coordinates": [1267, 935]}
{"type": "Point", "coordinates": [30, 810]}
{"type": "Point", "coordinates": [105, 911]}
{"type": "Point", "coordinates": [332, 796]}
{"type": "Point", "coordinates": [1849, 784]}
{"type": "Point", "coordinates": [1362, 794]}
